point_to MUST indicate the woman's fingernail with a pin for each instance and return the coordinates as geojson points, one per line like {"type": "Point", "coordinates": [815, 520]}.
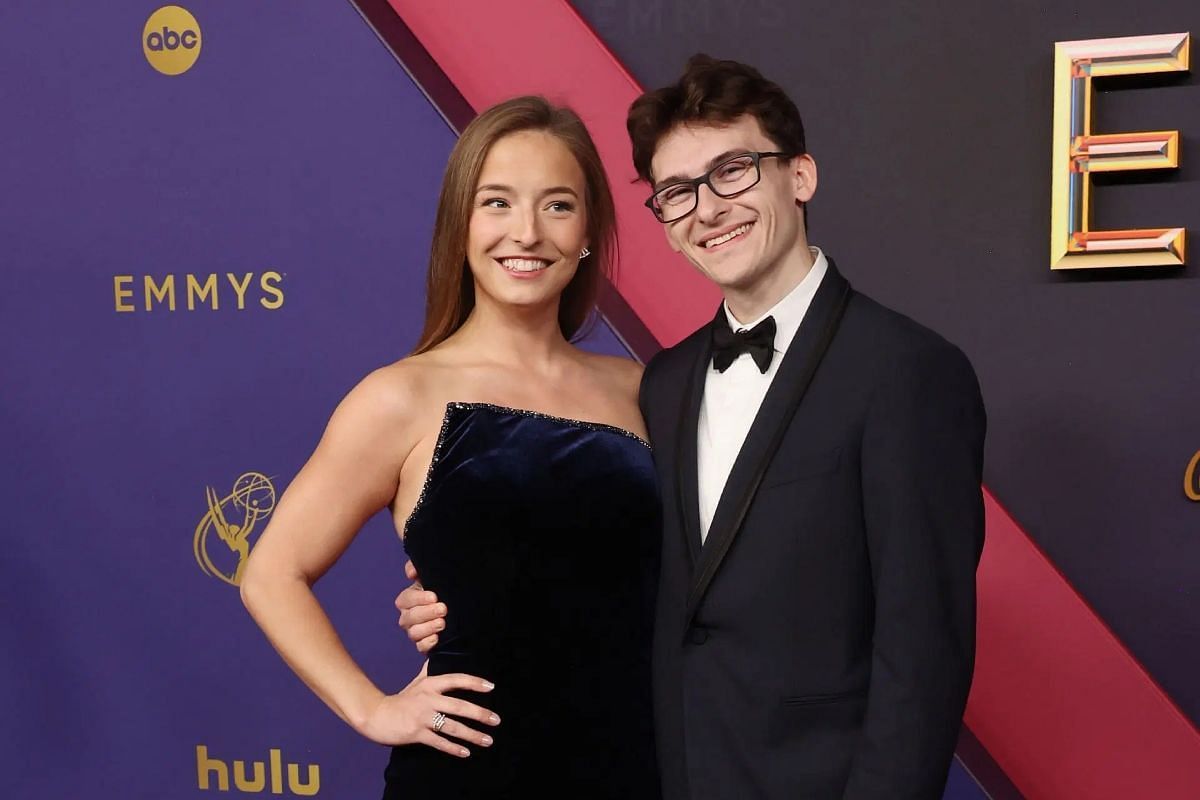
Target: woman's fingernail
{"type": "Point", "coordinates": [488, 686]}
{"type": "Point", "coordinates": [487, 741]}
{"type": "Point", "coordinates": [494, 719]}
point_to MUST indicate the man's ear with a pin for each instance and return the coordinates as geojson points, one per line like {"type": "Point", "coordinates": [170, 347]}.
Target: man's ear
{"type": "Point", "coordinates": [804, 175]}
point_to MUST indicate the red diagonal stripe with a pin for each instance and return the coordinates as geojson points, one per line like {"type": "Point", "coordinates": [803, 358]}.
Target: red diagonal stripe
{"type": "Point", "coordinates": [1058, 701]}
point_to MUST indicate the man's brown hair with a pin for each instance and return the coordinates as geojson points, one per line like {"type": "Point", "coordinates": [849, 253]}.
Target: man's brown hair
{"type": "Point", "coordinates": [712, 91]}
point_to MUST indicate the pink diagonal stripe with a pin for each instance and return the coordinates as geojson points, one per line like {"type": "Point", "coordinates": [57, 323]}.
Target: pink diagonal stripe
{"type": "Point", "coordinates": [1058, 701]}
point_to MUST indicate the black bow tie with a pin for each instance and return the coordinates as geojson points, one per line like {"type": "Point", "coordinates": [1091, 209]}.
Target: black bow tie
{"type": "Point", "coordinates": [728, 344]}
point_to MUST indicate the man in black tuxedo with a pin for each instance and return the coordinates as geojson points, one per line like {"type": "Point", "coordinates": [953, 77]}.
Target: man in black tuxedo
{"type": "Point", "coordinates": [820, 458]}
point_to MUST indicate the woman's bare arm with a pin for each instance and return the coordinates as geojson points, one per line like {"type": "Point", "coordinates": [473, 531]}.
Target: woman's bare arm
{"type": "Point", "coordinates": [353, 473]}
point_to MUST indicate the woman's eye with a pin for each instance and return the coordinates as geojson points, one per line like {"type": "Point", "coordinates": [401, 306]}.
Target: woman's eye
{"type": "Point", "coordinates": [561, 206]}
{"type": "Point", "coordinates": [496, 202]}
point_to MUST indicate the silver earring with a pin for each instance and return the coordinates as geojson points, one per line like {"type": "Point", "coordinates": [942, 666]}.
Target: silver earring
{"type": "Point", "coordinates": [584, 253]}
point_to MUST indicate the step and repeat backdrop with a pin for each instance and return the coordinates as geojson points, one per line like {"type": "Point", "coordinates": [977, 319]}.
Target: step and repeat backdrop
{"type": "Point", "coordinates": [213, 223]}
{"type": "Point", "coordinates": [215, 220]}
{"type": "Point", "coordinates": [938, 129]}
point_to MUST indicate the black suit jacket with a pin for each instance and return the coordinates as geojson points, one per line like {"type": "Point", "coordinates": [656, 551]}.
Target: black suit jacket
{"type": "Point", "coordinates": [823, 647]}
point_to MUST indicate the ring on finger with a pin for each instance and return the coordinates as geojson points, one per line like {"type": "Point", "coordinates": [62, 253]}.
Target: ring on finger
{"type": "Point", "coordinates": [439, 722]}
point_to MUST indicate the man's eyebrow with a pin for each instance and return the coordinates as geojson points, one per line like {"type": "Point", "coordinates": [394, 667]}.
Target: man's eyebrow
{"type": "Point", "coordinates": [712, 162]}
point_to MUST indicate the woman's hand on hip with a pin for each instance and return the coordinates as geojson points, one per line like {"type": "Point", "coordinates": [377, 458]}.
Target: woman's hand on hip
{"type": "Point", "coordinates": [422, 713]}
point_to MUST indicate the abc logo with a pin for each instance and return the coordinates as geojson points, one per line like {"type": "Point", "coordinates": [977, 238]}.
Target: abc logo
{"type": "Point", "coordinates": [171, 40]}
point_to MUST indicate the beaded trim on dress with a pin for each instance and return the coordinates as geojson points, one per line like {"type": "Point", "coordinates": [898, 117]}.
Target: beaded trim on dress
{"type": "Point", "coordinates": [521, 412]}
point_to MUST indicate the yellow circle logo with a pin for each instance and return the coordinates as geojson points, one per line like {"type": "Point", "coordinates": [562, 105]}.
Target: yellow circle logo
{"type": "Point", "coordinates": [171, 40]}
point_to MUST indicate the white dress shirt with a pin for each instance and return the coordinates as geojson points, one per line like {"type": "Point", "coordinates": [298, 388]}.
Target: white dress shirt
{"type": "Point", "coordinates": [731, 398]}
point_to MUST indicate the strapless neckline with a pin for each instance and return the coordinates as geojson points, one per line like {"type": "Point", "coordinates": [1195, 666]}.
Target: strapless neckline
{"type": "Point", "coordinates": [526, 412]}
{"type": "Point", "coordinates": [458, 405]}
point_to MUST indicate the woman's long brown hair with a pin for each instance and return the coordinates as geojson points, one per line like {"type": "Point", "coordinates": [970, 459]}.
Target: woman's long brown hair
{"type": "Point", "coordinates": [450, 289]}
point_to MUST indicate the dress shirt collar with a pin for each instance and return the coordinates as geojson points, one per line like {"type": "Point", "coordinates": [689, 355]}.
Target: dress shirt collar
{"type": "Point", "coordinates": [789, 312]}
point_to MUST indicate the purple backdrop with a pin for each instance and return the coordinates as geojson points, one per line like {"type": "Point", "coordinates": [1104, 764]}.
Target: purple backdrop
{"type": "Point", "coordinates": [295, 151]}
{"type": "Point", "coordinates": [297, 146]}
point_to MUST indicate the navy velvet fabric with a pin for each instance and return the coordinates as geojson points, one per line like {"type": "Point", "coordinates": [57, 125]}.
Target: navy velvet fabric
{"type": "Point", "coordinates": [542, 536]}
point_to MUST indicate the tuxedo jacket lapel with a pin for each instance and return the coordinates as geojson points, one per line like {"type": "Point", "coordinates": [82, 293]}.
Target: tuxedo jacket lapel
{"type": "Point", "coordinates": [687, 461]}
{"type": "Point", "coordinates": [775, 413]}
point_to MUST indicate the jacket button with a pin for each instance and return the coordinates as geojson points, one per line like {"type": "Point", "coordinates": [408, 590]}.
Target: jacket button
{"type": "Point", "coordinates": [697, 635]}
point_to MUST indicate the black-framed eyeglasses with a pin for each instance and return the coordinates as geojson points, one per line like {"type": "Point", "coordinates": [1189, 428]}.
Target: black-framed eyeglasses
{"type": "Point", "coordinates": [731, 177]}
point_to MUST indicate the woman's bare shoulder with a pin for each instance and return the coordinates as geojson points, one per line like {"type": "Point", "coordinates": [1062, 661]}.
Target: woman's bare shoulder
{"type": "Point", "coordinates": [623, 374]}
{"type": "Point", "coordinates": [390, 399]}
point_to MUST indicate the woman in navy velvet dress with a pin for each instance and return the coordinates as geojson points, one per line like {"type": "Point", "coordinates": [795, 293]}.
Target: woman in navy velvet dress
{"type": "Point", "coordinates": [515, 467]}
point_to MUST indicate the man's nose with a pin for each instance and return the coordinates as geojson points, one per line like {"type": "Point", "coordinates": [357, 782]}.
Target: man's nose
{"type": "Point", "coordinates": [709, 205]}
